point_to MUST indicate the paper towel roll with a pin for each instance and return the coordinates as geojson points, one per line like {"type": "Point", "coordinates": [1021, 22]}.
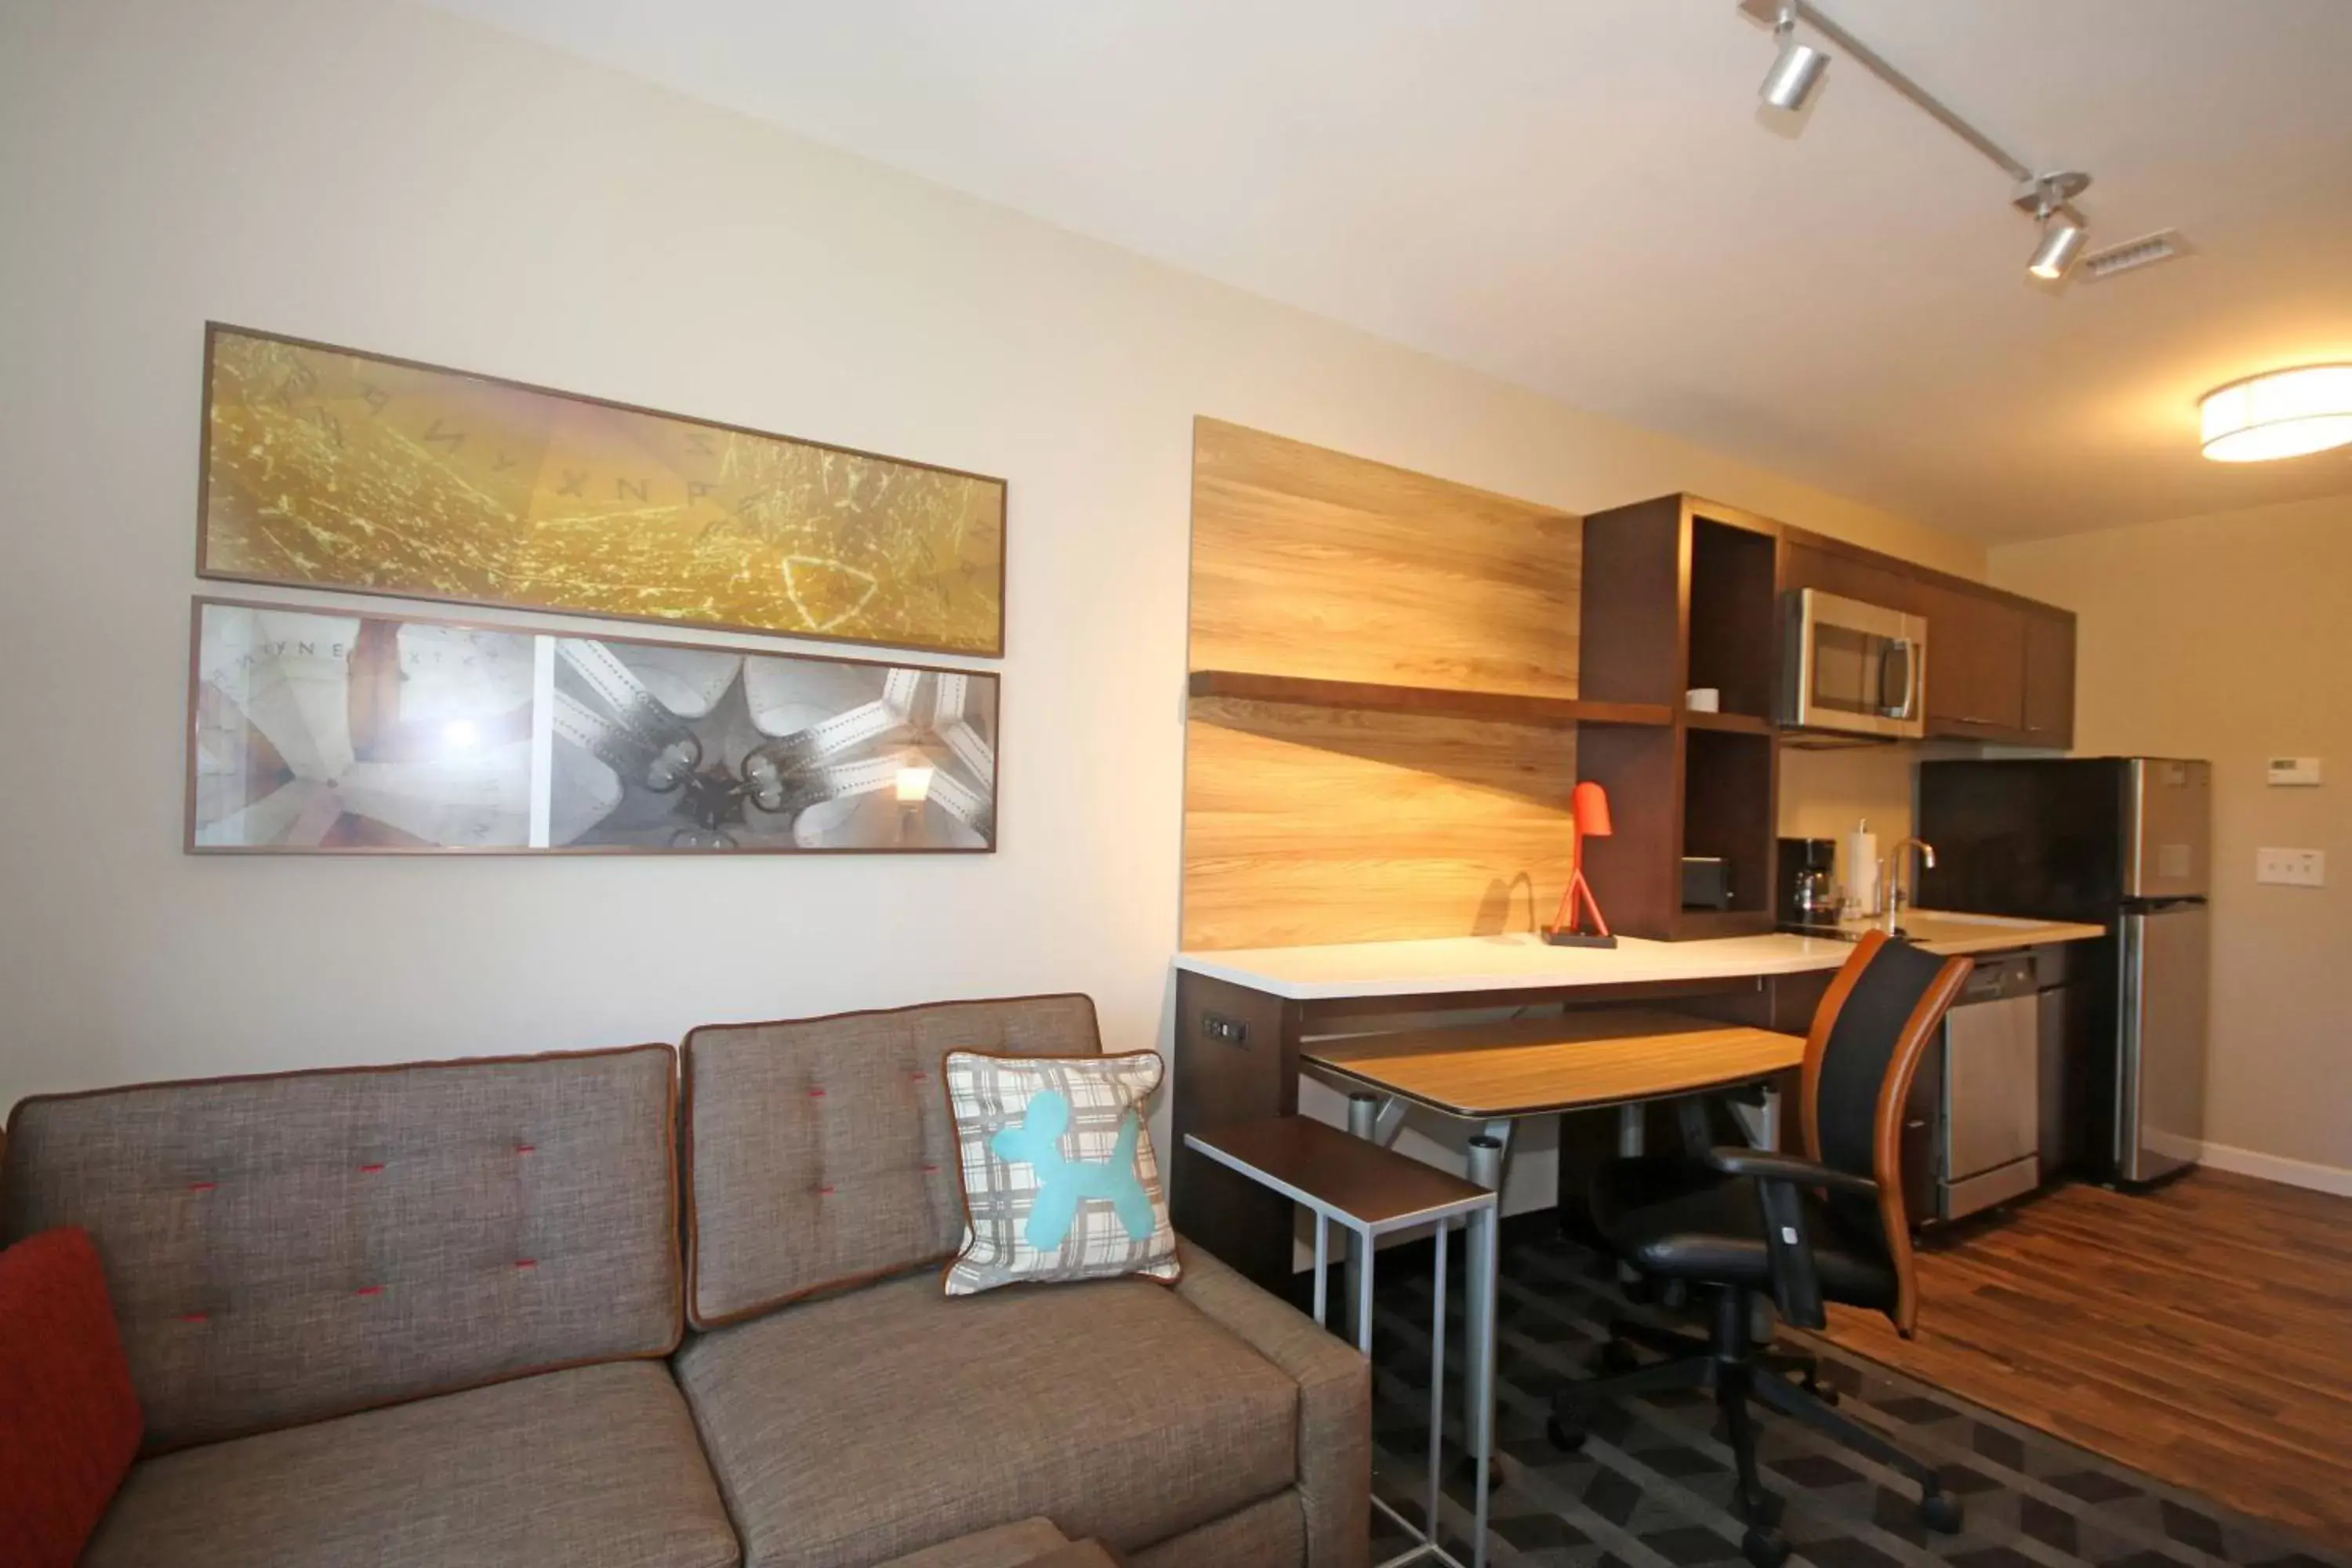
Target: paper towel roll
{"type": "Point", "coordinates": [1859, 851]}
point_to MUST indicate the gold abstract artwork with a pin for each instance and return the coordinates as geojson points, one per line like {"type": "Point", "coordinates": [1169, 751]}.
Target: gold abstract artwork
{"type": "Point", "coordinates": [326, 468]}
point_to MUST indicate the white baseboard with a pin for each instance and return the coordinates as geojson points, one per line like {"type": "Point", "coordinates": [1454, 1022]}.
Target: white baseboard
{"type": "Point", "coordinates": [2278, 1168]}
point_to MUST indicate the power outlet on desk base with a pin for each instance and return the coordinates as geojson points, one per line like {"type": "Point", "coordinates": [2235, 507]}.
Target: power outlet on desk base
{"type": "Point", "coordinates": [1559, 936]}
{"type": "Point", "coordinates": [1217, 1026]}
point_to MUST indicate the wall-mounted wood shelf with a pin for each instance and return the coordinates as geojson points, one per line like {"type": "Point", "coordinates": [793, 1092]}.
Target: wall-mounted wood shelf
{"type": "Point", "coordinates": [1728, 723]}
{"type": "Point", "coordinates": [1509, 706]}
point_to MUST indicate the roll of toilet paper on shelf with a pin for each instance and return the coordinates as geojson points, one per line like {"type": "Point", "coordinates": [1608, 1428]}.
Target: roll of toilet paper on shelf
{"type": "Point", "coordinates": [1858, 854]}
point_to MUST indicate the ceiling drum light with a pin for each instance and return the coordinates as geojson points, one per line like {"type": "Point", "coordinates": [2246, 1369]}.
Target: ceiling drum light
{"type": "Point", "coordinates": [2281, 414]}
{"type": "Point", "coordinates": [1796, 70]}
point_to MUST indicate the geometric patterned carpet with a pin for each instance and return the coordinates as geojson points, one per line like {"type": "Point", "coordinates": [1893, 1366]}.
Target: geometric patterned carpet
{"type": "Point", "coordinates": [1652, 1485]}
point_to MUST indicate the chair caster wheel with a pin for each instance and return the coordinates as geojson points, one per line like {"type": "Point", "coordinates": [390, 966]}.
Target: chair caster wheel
{"type": "Point", "coordinates": [1568, 1439]}
{"type": "Point", "coordinates": [1764, 1548]}
{"type": "Point", "coordinates": [1940, 1512]}
{"type": "Point", "coordinates": [1617, 1356]}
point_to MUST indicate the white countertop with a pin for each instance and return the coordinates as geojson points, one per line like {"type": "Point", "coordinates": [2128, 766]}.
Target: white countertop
{"type": "Point", "coordinates": [1525, 962]}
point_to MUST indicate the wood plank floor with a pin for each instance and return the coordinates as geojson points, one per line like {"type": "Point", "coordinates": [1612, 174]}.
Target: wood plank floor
{"type": "Point", "coordinates": [2201, 1332]}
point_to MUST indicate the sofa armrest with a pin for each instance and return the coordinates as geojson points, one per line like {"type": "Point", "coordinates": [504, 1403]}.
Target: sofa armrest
{"type": "Point", "coordinates": [1335, 1403]}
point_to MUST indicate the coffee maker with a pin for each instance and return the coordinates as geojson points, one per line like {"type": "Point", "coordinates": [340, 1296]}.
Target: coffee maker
{"type": "Point", "coordinates": [1807, 892]}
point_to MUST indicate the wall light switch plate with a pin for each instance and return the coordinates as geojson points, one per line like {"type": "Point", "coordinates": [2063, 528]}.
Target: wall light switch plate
{"type": "Point", "coordinates": [2304, 770]}
{"type": "Point", "coordinates": [2292, 867]}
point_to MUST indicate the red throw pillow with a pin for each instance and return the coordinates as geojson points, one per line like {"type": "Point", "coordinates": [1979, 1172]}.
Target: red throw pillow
{"type": "Point", "coordinates": [70, 1420]}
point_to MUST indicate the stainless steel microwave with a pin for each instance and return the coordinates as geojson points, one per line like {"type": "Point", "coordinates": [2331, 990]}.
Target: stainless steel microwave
{"type": "Point", "coordinates": [1854, 667]}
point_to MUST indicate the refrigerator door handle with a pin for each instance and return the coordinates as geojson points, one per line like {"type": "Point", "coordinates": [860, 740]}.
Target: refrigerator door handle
{"type": "Point", "coordinates": [2131, 963]}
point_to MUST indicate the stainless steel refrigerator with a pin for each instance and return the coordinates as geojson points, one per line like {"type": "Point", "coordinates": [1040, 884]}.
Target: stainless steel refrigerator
{"type": "Point", "coordinates": [2123, 842]}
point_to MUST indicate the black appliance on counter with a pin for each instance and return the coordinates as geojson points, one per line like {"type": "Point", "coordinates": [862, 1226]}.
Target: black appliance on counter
{"type": "Point", "coordinates": [1808, 895]}
{"type": "Point", "coordinates": [1707, 882]}
{"type": "Point", "coordinates": [2122, 842]}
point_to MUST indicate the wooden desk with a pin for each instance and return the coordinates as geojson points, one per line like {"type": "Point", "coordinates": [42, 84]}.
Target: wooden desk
{"type": "Point", "coordinates": [1247, 1021]}
{"type": "Point", "coordinates": [1539, 1066]}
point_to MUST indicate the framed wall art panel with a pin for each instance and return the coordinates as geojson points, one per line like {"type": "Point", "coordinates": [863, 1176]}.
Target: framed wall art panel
{"type": "Point", "coordinates": [324, 730]}
{"type": "Point", "coordinates": [328, 468]}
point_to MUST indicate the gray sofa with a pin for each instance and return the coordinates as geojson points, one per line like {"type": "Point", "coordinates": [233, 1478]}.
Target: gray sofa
{"type": "Point", "coordinates": [438, 1315]}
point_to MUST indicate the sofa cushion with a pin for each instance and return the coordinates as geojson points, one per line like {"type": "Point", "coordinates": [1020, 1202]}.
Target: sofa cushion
{"type": "Point", "coordinates": [412, 1229]}
{"type": "Point", "coordinates": [866, 1425]}
{"type": "Point", "coordinates": [1271, 1533]}
{"type": "Point", "coordinates": [1005, 1546]}
{"type": "Point", "coordinates": [819, 1152]}
{"type": "Point", "coordinates": [595, 1465]}
{"type": "Point", "coordinates": [1060, 1180]}
{"type": "Point", "coordinates": [69, 1419]}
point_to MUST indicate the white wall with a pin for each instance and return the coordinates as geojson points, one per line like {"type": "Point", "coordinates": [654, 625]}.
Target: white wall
{"type": "Point", "coordinates": [2229, 637]}
{"type": "Point", "coordinates": [393, 179]}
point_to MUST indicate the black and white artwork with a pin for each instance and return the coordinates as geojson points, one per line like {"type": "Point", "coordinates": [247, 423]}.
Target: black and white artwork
{"type": "Point", "coordinates": [320, 731]}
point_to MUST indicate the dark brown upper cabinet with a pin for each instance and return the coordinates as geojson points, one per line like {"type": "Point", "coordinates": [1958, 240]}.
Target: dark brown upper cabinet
{"type": "Point", "coordinates": [2050, 677]}
{"type": "Point", "coordinates": [1850, 577]}
{"type": "Point", "coordinates": [1975, 665]}
{"type": "Point", "coordinates": [2000, 667]}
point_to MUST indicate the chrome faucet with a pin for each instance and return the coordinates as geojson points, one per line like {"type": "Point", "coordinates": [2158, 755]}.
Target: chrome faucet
{"type": "Point", "coordinates": [1895, 860]}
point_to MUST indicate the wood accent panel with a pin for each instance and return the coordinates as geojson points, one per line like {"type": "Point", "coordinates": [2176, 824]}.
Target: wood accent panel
{"type": "Point", "coordinates": [1316, 824]}
{"type": "Point", "coordinates": [2196, 1333]}
{"type": "Point", "coordinates": [1431, 700]}
{"type": "Point", "coordinates": [1526, 1067]}
{"type": "Point", "coordinates": [1309, 563]}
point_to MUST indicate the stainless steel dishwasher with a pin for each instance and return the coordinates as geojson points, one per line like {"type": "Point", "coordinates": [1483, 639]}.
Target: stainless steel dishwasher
{"type": "Point", "coordinates": [1988, 1133]}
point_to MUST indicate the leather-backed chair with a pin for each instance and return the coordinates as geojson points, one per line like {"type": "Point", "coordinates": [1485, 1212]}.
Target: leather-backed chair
{"type": "Point", "coordinates": [1744, 1222]}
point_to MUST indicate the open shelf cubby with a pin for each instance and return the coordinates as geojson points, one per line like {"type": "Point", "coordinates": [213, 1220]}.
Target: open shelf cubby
{"type": "Point", "coordinates": [1680, 593]}
{"type": "Point", "coordinates": [1734, 617]}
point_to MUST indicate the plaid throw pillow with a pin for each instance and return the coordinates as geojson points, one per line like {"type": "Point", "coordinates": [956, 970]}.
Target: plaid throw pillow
{"type": "Point", "coordinates": [1059, 1179]}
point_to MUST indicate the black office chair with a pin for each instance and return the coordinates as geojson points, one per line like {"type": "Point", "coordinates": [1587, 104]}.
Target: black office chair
{"type": "Point", "coordinates": [1742, 1221]}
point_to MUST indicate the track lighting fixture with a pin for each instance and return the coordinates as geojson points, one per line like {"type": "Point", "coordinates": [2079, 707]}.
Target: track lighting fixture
{"type": "Point", "coordinates": [2048, 198]}
{"type": "Point", "coordinates": [1796, 72]}
{"type": "Point", "coordinates": [1798, 69]}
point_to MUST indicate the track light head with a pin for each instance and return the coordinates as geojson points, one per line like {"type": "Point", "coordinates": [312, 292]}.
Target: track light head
{"type": "Point", "coordinates": [2062, 241]}
{"type": "Point", "coordinates": [1796, 70]}
{"type": "Point", "coordinates": [2047, 196]}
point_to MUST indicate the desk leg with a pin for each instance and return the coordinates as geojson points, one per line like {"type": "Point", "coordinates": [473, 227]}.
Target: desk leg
{"type": "Point", "coordinates": [1628, 1143]}
{"type": "Point", "coordinates": [1484, 1234]}
{"type": "Point", "coordinates": [1437, 1387]}
{"type": "Point", "coordinates": [1322, 1263]}
{"type": "Point", "coordinates": [1363, 1121]}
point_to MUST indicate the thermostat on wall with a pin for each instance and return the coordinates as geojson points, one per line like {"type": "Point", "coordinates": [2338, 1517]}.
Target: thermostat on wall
{"type": "Point", "coordinates": [2294, 771]}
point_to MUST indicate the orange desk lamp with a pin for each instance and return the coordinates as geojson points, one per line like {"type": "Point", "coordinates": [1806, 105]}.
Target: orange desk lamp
{"type": "Point", "coordinates": [1589, 809]}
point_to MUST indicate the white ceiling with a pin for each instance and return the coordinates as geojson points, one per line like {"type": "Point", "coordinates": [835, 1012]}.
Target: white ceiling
{"type": "Point", "coordinates": [1583, 196]}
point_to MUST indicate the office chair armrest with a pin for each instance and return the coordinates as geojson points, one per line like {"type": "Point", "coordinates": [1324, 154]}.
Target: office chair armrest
{"type": "Point", "coordinates": [1795, 1283]}
{"type": "Point", "coordinates": [1766, 1166]}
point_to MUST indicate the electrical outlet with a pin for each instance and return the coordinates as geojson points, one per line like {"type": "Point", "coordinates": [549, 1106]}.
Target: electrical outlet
{"type": "Point", "coordinates": [1217, 1026]}
{"type": "Point", "coordinates": [2292, 867]}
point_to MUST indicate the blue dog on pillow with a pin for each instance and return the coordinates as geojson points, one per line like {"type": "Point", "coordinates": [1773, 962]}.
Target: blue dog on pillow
{"type": "Point", "coordinates": [1063, 1184]}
